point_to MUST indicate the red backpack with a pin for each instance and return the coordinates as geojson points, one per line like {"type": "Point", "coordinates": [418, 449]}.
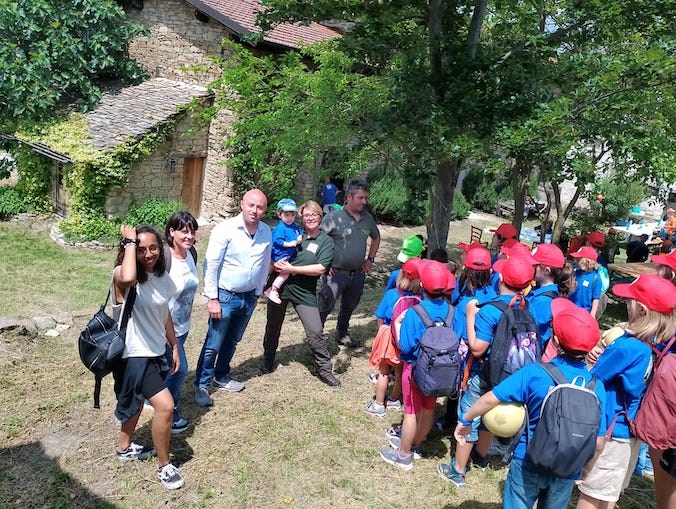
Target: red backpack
{"type": "Point", "coordinates": [654, 421]}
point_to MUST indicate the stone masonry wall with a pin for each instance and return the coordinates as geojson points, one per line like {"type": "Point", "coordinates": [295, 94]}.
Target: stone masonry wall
{"type": "Point", "coordinates": [150, 177]}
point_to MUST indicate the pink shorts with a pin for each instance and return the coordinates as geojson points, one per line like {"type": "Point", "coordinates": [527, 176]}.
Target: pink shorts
{"type": "Point", "coordinates": [414, 400]}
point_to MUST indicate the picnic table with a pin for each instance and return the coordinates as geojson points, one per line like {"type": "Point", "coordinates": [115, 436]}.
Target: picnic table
{"type": "Point", "coordinates": [632, 270]}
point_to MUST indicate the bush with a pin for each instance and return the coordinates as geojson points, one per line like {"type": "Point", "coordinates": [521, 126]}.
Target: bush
{"type": "Point", "coordinates": [484, 189]}
{"type": "Point", "coordinates": [461, 206]}
{"type": "Point", "coordinates": [94, 228]}
{"type": "Point", "coordinates": [153, 212]}
{"type": "Point", "coordinates": [11, 202]}
{"type": "Point", "coordinates": [390, 201]}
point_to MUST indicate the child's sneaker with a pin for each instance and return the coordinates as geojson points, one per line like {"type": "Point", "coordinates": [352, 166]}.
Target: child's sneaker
{"type": "Point", "coordinates": [170, 476]}
{"type": "Point", "coordinates": [374, 408]}
{"type": "Point", "coordinates": [135, 452]}
{"type": "Point", "coordinates": [393, 457]}
{"type": "Point", "coordinates": [373, 378]}
{"type": "Point", "coordinates": [273, 295]}
{"type": "Point", "coordinates": [393, 404]}
{"type": "Point", "coordinates": [448, 472]}
{"type": "Point", "coordinates": [478, 460]}
{"type": "Point", "coordinates": [394, 431]}
{"type": "Point", "coordinates": [395, 442]}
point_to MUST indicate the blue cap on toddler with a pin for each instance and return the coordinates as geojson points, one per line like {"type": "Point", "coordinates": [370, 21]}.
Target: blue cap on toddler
{"type": "Point", "coordinates": [287, 205]}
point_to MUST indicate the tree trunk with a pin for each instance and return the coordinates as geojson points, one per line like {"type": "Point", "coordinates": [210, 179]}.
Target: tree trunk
{"type": "Point", "coordinates": [561, 214]}
{"type": "Point", "coordinates": [441, 203]}
{"type": "Point", "coordinates": [520, 183]}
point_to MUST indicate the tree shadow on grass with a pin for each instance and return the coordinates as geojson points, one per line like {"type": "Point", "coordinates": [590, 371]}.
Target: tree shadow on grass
{"type": "Point", "coordinates": [29, 478]}
{"type": "Point", "coordinates": [473, 504]}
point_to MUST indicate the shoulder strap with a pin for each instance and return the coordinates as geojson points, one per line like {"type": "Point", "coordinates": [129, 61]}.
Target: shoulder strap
{"type": "Point", "coordinates": [664, 351]}
{"type": "Point", "coordinates": [128, 305]}
{"type": "Point", "coordinates": [424, 316]}
{"type": "Point", "coordinates": [449, 316]}
{"type": "Point", "coordinates": [167, 256]}
{"type": "Point", "coordinates": [551, 294]}
{"type": "Point", "coordinates": [502, 306]}
{"type": "Point", "coordinates": [554, 372]}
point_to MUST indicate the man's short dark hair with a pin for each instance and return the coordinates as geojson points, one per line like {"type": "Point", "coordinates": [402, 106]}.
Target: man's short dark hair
{"type": "Point", "coordinates": [357, 185]}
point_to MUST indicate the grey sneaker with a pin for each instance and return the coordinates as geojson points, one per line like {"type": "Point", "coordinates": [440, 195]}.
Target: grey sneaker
{"type": "Point", "coordinates": [393, 404]}
{"type": "Point", "coordinates": [395, 442]}
{"type": "Point", "coordinates": [170, 476]}
{"type": "Point", "coordinates": [374, 408]}
{"type": "Point", "coordinates": [135, 452]}
{"type": "Point", "coordinates": [448, 472]}
{"type": "Point", "coordinates": [202, 397]}
{"type": "Point", "coordinates": [393, 457]}
{"type": "Point", "coordinates": [230, 385]}
{"type": "Point", "coordinates": [179, 426]}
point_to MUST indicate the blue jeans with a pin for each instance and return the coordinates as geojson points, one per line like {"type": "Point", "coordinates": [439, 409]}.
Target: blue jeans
{"type": "Point", "coordinates": [175, 382]}
{"type": "Point", "coordinates": [476, 387]}
{"type": "Point", "coordinates": [223, 336]}
{"type": "Point", "coordinates": [525, 485]}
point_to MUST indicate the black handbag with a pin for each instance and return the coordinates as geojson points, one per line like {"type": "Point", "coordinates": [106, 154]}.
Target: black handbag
{"type": "Point", "coordinates": [101, 343]}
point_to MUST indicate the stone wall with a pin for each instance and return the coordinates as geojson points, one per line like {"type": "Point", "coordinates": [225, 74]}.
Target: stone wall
{"type": "Point", "coordinates": [153, 176]}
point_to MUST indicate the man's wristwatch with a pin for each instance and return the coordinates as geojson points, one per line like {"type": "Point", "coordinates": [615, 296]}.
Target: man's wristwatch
{"type": "Point", "coordinates": [371, 259]}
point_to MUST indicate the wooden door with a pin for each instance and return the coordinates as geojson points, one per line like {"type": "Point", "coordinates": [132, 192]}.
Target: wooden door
{"type": "Point", "coordinates": [191, 189]}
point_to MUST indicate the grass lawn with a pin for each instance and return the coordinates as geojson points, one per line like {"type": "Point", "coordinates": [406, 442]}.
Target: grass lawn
{"type": "Point", "coordinates": [286, 441]}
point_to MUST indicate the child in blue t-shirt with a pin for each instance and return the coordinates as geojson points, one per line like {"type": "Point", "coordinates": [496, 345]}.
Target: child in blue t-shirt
{"type": "Point", "coordinates": [589, 287]}
{"type": "Point", "coordinates": [575, 332]}
{"type": "Point", "coordinates": [285, 237]}
{"type": "Point", "coordinates": [624, 367]}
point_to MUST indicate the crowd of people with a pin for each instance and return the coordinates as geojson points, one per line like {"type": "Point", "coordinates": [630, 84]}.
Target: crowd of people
{"type": "Point", "coordinates": [330, 257]}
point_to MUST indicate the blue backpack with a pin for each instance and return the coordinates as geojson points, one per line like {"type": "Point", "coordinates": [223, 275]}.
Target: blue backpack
{"type": "Point", "coordinates": [438, 369]}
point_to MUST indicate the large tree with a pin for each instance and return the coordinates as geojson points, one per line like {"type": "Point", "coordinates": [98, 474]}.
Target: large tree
{"type": "Point", "coordinates": [57, 52]}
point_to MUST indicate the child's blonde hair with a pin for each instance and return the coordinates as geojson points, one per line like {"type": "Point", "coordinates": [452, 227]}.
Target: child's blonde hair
{"type": "Point", "coordinates": [648, 325]}
{"type": "Point", "coordinates": [408, 285]}
{"type": "Point", "coordinates": [587, 264]}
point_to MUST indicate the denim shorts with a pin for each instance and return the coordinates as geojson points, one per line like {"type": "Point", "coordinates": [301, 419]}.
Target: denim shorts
{"type": "Point", "coordinates": [476, 387]}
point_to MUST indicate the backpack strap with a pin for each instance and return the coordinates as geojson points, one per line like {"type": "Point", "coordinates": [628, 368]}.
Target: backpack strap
{"type": "Point", "coordinates": [424, 316]}
{"type": "Point", "coordinates": [559, 378]}
{"type": "Point", "coordinates": [551, 294]}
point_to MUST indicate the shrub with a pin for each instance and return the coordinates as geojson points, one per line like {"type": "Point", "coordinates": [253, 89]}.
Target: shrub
{"type": "Point", "coordinates": [153, 212]}
{"type": "Point", "coordinates": [390, 201]}
{"type": "Point", "coordinates": [11, 202]}
{"type": "Point", "coordinates": [94, 228]}
{"type": "Point", "coordinates": [484, 189]}
{"type": "Point", "coordinates": [461, 206]}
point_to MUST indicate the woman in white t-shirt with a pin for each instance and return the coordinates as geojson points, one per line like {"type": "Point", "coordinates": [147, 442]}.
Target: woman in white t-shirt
{"type": "Point", "coordinates": [141, 264]}
{"type": "Point", "coordinates": [181, 257]}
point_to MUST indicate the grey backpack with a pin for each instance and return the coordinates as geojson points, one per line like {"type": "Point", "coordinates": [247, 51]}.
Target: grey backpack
{"type": "Point", "coordinates": [438, 369]}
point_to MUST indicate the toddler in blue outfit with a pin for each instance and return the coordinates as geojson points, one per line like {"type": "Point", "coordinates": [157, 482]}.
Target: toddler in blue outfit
{"type": "Point", "coordinates": [286, 236]}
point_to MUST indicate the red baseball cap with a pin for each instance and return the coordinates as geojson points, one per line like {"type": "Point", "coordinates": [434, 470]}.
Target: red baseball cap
{"type": "Point", "coordinates": [478, 259]}
{"type": "Point", "coordinates": [467, 247]}
{"type": "Point", "coordinates": [596, 239]}
{"type": "Point", "coordinates": [516, 272]}
{"type": "Point", "coordinates": [505, 230]}
{"type": "Point", "coordinates": [654, 292]}
{"type": "Point", "coordinates": [411, 269]}
{"type": "Point", "coordinates": [550, 255]}
{"type": "Point", "coordinates": [450, 284]}
{"type": "Point", "coordinates": [434, 276]}
{"type": "Point", "coordinates": [519, 250]}
{"type": "Point", "coordinates": [668, 260]}
{"type": "Point", "coordinates": [574, 327]}
{"type": "Point", "coordinates": [586, 252]}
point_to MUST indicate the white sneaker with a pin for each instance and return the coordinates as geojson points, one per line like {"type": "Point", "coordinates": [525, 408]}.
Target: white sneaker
{"type": "Point", "coordinates": [170, 476]}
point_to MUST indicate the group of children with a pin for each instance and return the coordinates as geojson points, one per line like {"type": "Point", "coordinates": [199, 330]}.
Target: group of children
{"type": "Point", "coordinates": [561, 296]}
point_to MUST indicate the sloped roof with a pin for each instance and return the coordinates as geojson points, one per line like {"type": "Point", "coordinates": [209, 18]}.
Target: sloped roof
{"type": "Point", "coordinates": [131, 111]}
{"type": "Point", "coordinates": [240, 17]}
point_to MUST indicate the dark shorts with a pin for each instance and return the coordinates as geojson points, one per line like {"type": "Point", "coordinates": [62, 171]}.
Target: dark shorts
{"type": "Point", "coordinates": [668, 462]}
{"type": "Point", "coordinates": [153, 381]}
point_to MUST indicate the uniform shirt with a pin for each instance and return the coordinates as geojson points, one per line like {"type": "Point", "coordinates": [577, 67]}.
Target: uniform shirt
{"type": "Point", "coordinates": [349, 237]}
{"type": "Point", "coordinates": [531, 384]}
{"type": "Point", "coordinates": [183, 273]}
{"type": "Point", "coordinates": [300, 288]}
{"type": "Point", "coordinates": [392, 280]}
{"type": "Point", "coordinates": [482, 295]}
{"type": "Point", "coordinates": [284, 233]}
{"type": "Point", "coordinates": [541, 309]}
{"type": "Point", "coordinates": [236, 261]}
{"type": "Point", "coordinates": [329, 192]}
{"type": "Point", "coordinates": [412, 327]}
{"type": "Point", "coordinates": [588, 288]}
{"type": "Point", "coordinates": [386, 306]}
{"type": "Point", "coordinates": [624, 367]}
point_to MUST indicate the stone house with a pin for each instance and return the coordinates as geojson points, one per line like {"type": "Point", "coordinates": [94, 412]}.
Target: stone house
{"type": "Point", "coordinates": [185, 33]}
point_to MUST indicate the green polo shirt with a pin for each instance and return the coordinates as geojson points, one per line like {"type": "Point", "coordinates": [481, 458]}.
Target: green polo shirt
{"type": "Point", "coordinates": [302, 289]}
{"type": "Point", "coordinates": [350, 237]}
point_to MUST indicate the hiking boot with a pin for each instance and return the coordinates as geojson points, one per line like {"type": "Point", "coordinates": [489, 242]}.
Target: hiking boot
{"type": "Point", "coordinates": [135, 452]}
{"type": "Point", "coordinates": [170, 476]}
{"type": "Point", "coordinates": [392, 404]}
{"type": "Point", "coordinates": [179, 426]}
{"type": "Point", "coordinates": [448, 472]}
{"type": "Point", "coordinates": [394, 457]}
{"type": "Point", "coordinates": [273, 295]}
{"type": "Point", "coordinates": [395, 442]}
{"type": "Point", "coordinates": [347, 342]}
{"type": "Point", "coordinates": [202, 397]}
{"type": "Point", "coordinates": [229, 385]}
{"type": "Point", "coordinates": [374, 408]}
{"type": "Point", "coordinates": [329, 379]}
{"type": "Point", "coordinates": [478, 460]}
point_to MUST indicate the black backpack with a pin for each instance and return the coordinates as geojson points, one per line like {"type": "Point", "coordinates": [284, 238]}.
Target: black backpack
{"type": "Point", "coordinates": [438, 370]}
{"type": "Point", "coordinates": [564, 439]}
{"type": "Point", "coordinates": [516, 342]}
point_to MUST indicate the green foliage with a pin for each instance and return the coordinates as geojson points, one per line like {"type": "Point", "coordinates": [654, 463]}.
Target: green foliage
{"type": "Point", "coordinates": [55, 53]}
{"type": "Point", "coordinates": [7, 165]}
{"type": "Point", "coordinates": [484, 188]}
{"type": "Point", "coordinates": [153, 212]}
{"type": "Point", "coordinates": [390, 201]}
{"type": "Point", "coordinates": [461, 206]}
{"type": "Point", "coordinates": [11, 202]}
{"type": "Point", "coordinates": [35, 180]}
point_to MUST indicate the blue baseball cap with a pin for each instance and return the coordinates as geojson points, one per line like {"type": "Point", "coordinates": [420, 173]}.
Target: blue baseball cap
{"type": "Point", "coordinates": [287, 205]}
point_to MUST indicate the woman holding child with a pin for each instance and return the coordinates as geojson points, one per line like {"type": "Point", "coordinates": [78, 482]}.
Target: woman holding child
{"type": "Point", "coordinates": [313, 257]}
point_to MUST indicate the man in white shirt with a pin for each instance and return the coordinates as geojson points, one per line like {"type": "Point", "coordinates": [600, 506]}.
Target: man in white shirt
{"type": "Point", "coordinates": [236, 266]}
